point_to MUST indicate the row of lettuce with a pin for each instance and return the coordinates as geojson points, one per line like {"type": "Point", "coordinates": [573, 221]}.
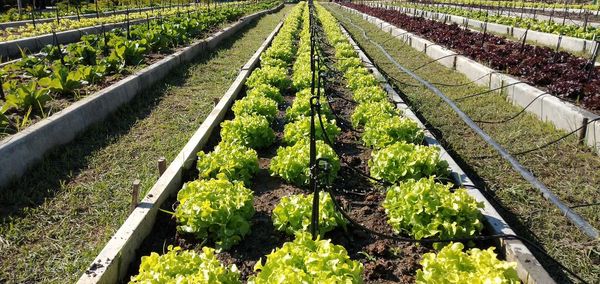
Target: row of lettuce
{"type": "Point", "coordinates": [30, 30]}
{"type": "Point", "coordinates": [218, 206]}
{"type": "Point", "coordinates": [69, 72]}
{"type": "Point", "coordinates": [417, 204]}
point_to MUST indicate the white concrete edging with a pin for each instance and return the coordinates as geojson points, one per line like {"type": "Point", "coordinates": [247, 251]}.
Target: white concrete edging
{"type": "Point", "coordinates": [563, 115]}
{"type": "Point", "coordinates": [528, 267]}
{"type": "Point", "coordinates": [110, 266]}
{"type": "Point", "coordinates": [23, 149]}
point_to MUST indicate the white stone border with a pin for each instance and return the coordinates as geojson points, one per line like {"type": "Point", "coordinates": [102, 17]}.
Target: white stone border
{"type": "Point", "coordinates": [111, 265]}
{"type": "Point", "coordinates": [23, 149]}
{"type": "Point", "coordinates": [528, 267]}
{"type": "Point", "coordinates": [563, 115]}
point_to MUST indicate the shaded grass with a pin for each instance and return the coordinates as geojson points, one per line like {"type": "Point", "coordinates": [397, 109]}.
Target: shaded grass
{"type": "Point", "coordinates": [57, 218]}
{"type": "Point", "coordinates": [570, 171]}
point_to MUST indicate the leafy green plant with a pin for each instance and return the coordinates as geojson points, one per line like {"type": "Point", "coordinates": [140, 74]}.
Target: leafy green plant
{"type": "Point", "coordinates": [300, 130]}
{"type": "Point", "coordinates": [423, 209]}
{"type": "Point", "coordinates": [62, 81]}
{"type": "Point", "coordinates": [359, 81]}
{"type": "Point", "coordinates": [185, 266]}
{"type": "Point", "coordinates": [370, 94]}
{"type": "Point", "coordinates": [292, 163]}
{"type": "Point", "coordinates": [215, 209]}
{"type": "Point", "coordinates": [452, 265]}
{"type": "Point", "coordinates": [266, 90]}
{"type": "Point", "coordinates": [251, 131]}
{"type": "Point", "coordinates": [256, 105]}
{"type": "Point", "coordinates": [301, 106]}
{"type": "Point", "coordinates": [401, 161]}
{"type": "Point", "coordinates": [26, 97]}
{"type": "Point", "coordinates": [90, 74]}
{"type": "Point", "coordinates": [380, 132]}
{"type": "Point", "coordinates": [37, 71]}
{"type": "Point", "coordinates": [131, 51]}
{"type": "Point", "coordinates": [371, 111]}
{"type": "Point", "coordinates": [293, 214]}
{"type": "Point", "coordinates": [345, 64]}
{"type": "Point", "coordinates": [84, 53]}
{"type": "Point", "coordinates": [308, 261]}
{"type": "Point", "coordinates": [274, 76]}
{"type": "Point", "coordinates": [235, 161]}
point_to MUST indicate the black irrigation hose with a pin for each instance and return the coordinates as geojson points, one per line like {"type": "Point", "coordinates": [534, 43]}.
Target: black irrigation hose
{"type": "Point", "coordinates": [488, 91]}
{"type": "Point", "coordinates": [547, 144]}
{"type": "Point", "coordinates": [575, 218]}
{"type": "Point", "coordinates": [433, 61]}
{"type": "Point", "coordinates": [513, 116]}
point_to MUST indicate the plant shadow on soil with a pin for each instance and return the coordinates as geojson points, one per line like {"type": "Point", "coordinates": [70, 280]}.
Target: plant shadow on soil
{"type": "Point", "coordinates": [62, 164]}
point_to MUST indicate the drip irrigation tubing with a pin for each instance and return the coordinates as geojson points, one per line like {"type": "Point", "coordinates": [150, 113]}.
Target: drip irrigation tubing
{"type": "Point", "coordinates": [546, 144]}
{"type": "Point", "coordinates": [575, 218]}
{"type": "Point", "coordinates": [513, 116]}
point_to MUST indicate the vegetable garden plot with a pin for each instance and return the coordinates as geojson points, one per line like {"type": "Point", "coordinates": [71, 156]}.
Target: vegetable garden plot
{"type": "Point", "coordinates": [35, 87]}
{"type": "Point", "coordinates": [561, 74]}
{"type": "Point", "coordinates": [201, 202]}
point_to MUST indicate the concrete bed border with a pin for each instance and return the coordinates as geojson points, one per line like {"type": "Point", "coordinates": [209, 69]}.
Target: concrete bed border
{"type": "Point", "coordinates": [23, 149]}
{"type": "Point", "coordinates": [529, 268]}
{"type": "Point", "coordinates": [111, 264]}
{"type": "Point", "coordinates": [563, 115]}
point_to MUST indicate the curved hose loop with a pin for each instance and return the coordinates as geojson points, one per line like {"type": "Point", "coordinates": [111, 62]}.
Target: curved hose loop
{"type": "Point", "coordinates": [515, 115]}
{"type": "Point", "coordinates": [394, 37]}
{"type": "Point", "coordinates": [575, 218]}
{"type": "Point", "coordinates": [488, 91]}
{"type": "Point", "coordinates": [435, 60]}
{"type": "Point", "coordinates": [465, 84]}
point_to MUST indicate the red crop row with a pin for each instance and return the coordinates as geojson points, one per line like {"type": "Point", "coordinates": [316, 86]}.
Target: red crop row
{"type": "Point", "coordinates": [560, 73]}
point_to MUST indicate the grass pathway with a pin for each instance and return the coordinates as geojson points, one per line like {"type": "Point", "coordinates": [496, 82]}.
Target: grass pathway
{"type": "Point", "coordinates": [571, 171]}
{"type": "Point", "coordinates": [55, 220]}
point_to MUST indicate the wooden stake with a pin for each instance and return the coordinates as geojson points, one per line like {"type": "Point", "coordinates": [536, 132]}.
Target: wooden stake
{"type": "Point", "coordinates": [162, 165]}
{"type": "Point", "coordinates": [135, 194]}
{"type": "Point", "coordinates": [583, 130]}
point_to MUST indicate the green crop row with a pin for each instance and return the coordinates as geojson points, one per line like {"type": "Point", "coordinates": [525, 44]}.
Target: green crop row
{"type": "Point", "coordinates": [416, 205]}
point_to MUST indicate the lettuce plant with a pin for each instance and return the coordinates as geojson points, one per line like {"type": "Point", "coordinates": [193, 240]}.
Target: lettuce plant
{"type": "Point", "coordinates": [215, 209]}
{"type": "Point", "coordinates": [300, 130]}
{"type": "Point", "coordinates": [380, 132]}
{"type": "Point", "coordinates": [308, 261]}
{"type": "Point", "coordinates": [235, 161]}
{"type": "Point", "coordinates": [360, 81]}
{"type": "Point", "coordinates": [255, 105]}
{"type": "Point", "coordinates": [401, 161]}
{"type": "Point", "coordinates": [301, 106]}
{"type": "Point", "coordinates": [425, 209]}
{"type": "Point", "coordinates": [266, 90]}
{"type": "Point", "coordinates": [370, 94]}
{"type": "Point", "coordinates": [185, 266]}
{"type": "Point", "coordinates": [292, 162]}
{"type": "Point", "coordinates": [274, 76]}
{"type": "Point", "coordinates": [293, 214]}
{"type": "Point", "coordinates": [452, 265]}
{"type": "Point", "coordinates": [368, 111]}
{"type": "Point", "coordinates": [251, 131]}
